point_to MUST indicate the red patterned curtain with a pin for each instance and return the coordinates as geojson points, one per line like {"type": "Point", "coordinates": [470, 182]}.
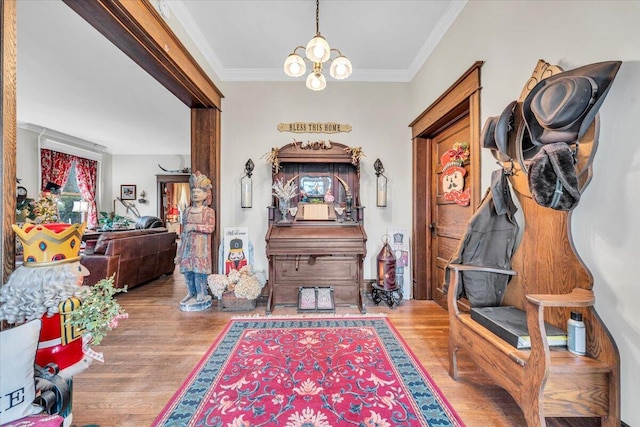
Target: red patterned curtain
{"type": "Point", "coordinates": [55, 167]}
{"type": "Point", "coordinates": [87, 172]}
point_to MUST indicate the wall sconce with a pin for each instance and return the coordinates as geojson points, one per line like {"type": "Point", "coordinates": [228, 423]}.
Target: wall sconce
{"type": "Point", "coordinates": [82, 207]}
{"type": "Point", "coordinates": [381, 184]}
{"type": "Point", "coordinates": [246, 185]}
{"type": "Point", "coordinates": [142, 198]}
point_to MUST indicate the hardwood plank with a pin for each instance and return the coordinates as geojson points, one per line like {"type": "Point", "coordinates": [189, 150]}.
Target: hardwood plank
{"type": "Point", "coordinates": [150, 354]}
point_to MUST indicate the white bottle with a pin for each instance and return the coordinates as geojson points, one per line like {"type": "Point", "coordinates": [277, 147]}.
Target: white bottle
{"type": "Point", "coordinates": [576, 334]}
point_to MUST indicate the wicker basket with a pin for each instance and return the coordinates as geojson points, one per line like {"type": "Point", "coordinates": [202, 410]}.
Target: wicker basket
{"type": "Point", "coordinates": [232, 303]}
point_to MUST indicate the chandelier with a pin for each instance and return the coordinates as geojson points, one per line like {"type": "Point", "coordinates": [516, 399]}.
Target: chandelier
{"type": "Point", "coordinates": [317, 52]}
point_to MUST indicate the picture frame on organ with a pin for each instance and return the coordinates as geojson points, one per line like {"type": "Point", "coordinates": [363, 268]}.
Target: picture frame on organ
{"type": "Point", "coordinates": [128, 192]}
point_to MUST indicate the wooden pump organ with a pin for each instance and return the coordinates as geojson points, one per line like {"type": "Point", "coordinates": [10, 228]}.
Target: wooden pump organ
{"type": "Point", "coordinates": [316, 237]}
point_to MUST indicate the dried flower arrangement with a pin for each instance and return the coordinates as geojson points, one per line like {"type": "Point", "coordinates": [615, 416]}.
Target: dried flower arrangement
{"type": "Point", "coordinates": [272, 157]}
{"type": "Point", "coordinates": [244, 283]}
{"type": "Point", "coordinates": [99, 311]}
{"type": "Point", "coordinates": [314, 145]}
{"type": "Point", "coordinates": [356, 154]}
{"type": "Point", "coordinates": [285, 191]}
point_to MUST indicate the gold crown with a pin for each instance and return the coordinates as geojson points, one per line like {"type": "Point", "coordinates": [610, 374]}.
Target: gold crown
{"type": "Point", "coordinates": [50, 244]}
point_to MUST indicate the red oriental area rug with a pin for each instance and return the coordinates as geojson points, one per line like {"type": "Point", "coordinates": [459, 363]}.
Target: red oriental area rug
{"type": "Point", "coordinates": [311, 372]}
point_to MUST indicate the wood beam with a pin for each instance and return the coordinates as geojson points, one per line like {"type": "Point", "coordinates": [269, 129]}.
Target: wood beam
{"type": "Point", "coordinates": [8, 126]}
{"type": "Point", "coordinates": [137, 29]}
{"type": "Point", "coordinates": [205, 157]}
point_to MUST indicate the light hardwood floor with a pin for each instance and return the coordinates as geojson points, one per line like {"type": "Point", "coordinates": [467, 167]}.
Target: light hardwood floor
{"type": "Point", "coordinates": [151, 353]}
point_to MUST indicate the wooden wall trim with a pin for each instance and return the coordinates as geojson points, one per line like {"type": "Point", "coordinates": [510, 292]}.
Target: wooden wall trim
{"type": "Point", "coordinates": [8, 126]}
{"type": "Point", "coordinates": [461, 97]}
{"type": "Point", "coordinates": [421, 246]}
{"type": "Point", "coordinates": [458, 92]}
{"type": "Point", "coordinates": [137, 29]}
{"type": "Point", "coordinates": [475, 126]}
{"type": "Point", "coordinates": [205, 157]}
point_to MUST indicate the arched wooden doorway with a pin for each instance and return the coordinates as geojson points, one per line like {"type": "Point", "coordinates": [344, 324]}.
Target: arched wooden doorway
{"type": "Point", "coordinates": [438, 224]}
{"type": "Point", "coordinates": [141, 33]}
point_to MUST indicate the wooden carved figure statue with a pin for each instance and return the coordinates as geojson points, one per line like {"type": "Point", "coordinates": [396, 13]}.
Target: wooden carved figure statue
{"type": "Point", "coordinates": [194, 252]}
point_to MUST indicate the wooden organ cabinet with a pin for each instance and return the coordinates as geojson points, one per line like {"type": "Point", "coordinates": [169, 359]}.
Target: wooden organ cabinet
{"type": "Point", "coordinates": [320, 239]}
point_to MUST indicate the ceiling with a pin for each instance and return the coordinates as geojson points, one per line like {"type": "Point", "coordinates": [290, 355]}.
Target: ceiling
{"type": "Point", "coordinates": [73, 80]}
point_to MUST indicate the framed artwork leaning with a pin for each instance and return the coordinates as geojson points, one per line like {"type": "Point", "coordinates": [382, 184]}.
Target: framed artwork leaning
{"type": "Point", "coordinates": [128, 192]}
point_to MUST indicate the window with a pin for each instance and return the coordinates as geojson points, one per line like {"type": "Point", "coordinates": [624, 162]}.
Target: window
{"type": "Point", "coordinates": [68, 194]}
{"type": "Point", "coordinates": [78, 177]}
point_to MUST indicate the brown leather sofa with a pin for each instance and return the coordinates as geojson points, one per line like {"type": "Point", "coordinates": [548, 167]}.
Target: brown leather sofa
{"type": "Point", "coordinates": [134, 256]}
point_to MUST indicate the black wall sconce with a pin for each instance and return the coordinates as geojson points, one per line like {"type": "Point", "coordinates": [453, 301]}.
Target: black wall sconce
{"type": "Point", "coordinates": [381, 184]}
{"type": "Point", "coordinates": [246, 185]}
{"type": "Point", "coordinates": [143, 197]}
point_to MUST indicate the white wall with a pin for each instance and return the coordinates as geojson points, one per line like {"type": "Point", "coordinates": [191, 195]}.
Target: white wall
{"type": "Point", "coordinates": [379, 116]}
{"type": "Point", "coordinates": [141, 171]}
{"type": "Point", "coordinates": [510, 36]}
{"type": "Point", "coordinates": [27, 161]}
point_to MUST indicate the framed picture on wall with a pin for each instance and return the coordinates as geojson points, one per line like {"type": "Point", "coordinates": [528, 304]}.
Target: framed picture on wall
{"type": "Point", "coordinates": [128, 192]}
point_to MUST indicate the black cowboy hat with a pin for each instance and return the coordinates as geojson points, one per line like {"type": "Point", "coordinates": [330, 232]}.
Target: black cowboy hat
{"type": "Point", "coordinates": [561, 108]}
{"type": "Point", "coordinates": [495, 133]}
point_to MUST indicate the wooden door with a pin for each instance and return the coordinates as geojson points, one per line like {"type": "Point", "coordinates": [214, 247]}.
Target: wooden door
{"type": "Point", "coordinates": [448, 218]}
{"type": "Point", "coordinates": [167, 187]}
{"type": "Point", "coordinates": [453, 117]}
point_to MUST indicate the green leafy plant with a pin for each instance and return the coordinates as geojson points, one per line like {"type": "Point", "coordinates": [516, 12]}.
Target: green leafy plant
{"type": "Point", "coordinates": [110, 221]}
{"type": "Point", "coordinates": [99, 312]}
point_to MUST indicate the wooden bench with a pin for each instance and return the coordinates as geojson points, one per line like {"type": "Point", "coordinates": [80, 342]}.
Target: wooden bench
{"type": "Point", "coordinates": [549, 281]}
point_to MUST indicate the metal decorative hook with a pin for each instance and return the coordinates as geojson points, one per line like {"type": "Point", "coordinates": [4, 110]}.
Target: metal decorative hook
{"type": "Point", "coordinates": [248, 168]}
{"type": "Point", "coordinates": [511, 170]}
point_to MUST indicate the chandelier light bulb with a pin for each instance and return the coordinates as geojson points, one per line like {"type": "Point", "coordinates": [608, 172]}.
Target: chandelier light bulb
{"type": "Point", "coordinates": [340, 68]}
{"type": "Point", "coordinates": [316, 82]}
{"type": "Point", "coordinates": [318, 49]}
{"type": "Point", "coordinates": [294, 66]}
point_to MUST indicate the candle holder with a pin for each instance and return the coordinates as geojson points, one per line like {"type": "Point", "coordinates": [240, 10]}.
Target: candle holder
{"type": "Point", "coordinates": [246, 185]}
{"type": "Point", "coordinates": [349, 206]}
{"type": "Point", "coordinates": [381, 184]}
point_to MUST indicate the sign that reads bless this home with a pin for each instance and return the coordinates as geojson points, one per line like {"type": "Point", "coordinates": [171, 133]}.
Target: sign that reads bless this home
{"type": "Point", "coordinates": [313, 127]}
